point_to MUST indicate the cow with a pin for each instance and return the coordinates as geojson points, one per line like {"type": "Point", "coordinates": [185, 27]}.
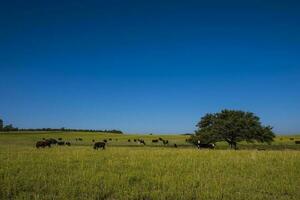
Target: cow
{"type": "Point", "coordinates": [154, 141]}
{"type": "Point", "coordinates": [93, 140]}
{"type": "Point", "coordinates": [134, 140]}
{"type": "Point", "coordinates": [43, 144]}
{"type": "Point", "coordinates": [80, 139]}
{"type": "Point", "coordinates": [206, 146]}
{"type": "Point", "coordinates": [129, 140]}
{"type": "Point", "coordinates": [160, 139]}
{"type": "Point", "coordinates": [110, 139]}
{"type": "Point", "coordinates": [141, 141]}
{"type": "Point", "coordinates": [59, 138]}
{"type": "Point", "coordinates": [165, 142]}
{"type": "Point", "coordinates": [61, 143]}
{"type": "Point", "coordinates": [98, 145]}
{"type": "Point", "coordinates": [292, 139]}
{"type": "Point", "coordinates": [175, 145]}
{"type": "Point", "coordinates": [68, 143]}
{"type": "Point", "coordinates": [297, 142]}
{"type": "Point", "coordinates": [52, 141]}
{"type": "Point", "coordinates": [105, 140]}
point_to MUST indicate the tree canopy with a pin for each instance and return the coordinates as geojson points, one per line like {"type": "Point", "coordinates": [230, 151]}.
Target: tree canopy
{"type": "Point", "coordinates": [232, 126]}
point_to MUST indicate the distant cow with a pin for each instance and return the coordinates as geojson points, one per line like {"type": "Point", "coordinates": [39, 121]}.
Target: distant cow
{"type": "Point", "coordinates": [59, 138]}
{"type": "Point", "coordinates": [129, 140]}
{"type": "Point", "coordinates": [98, 145]}
{"type": "Point", "coordinates": [134, 140]}
{"type": "Point", "coordinates": [93, 140]}
{"type": "Point", "coordinates": [165, 142]}
{"type": "Point", "coordinates": [52, 141]}
{"type": "Point", "coordinates": [68, 143]}
{"type": "Point", "coordinates": [61, 143]}
{"type": "Point", "coordinates": [160, 139]}
{"type": "Point", "coordinates": [105, 140]}
{"type": "Point", "coordinates": [297, 142]}
{"type": "Point", "coordinates": [142, 141]}
{"type": "Point", "coordinates": [175, 145]}
{"type": "Point", "coordinates": [43, 144]}
{"type": "Point", "coordinates": [80, 139]}
{"type": "Point", "coordinates": [206, 146]}
{"type": "Point", "coordinates": [154, 141]}
{"type": "Point", "coordinates": [110, 139]}
{"type": "Point", "coordinates": [291, 138]}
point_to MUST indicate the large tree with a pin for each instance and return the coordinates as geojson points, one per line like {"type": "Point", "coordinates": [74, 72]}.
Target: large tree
{"type": "Point", "coordinates": [232, 126]}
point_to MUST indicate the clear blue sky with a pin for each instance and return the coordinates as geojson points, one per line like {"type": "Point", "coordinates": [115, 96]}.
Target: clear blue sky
{"type": "Point", "coordinates": [148, 66]}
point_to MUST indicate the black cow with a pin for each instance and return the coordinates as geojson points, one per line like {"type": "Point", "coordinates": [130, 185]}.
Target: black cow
{"type": "Point", "coordinates": [129, 140]}
{"type": "Point", "coordinates": [297, 142]}
{"type": "Point", "coordinates": [134, 140]}
{"type": "Point", "coordinates": [93, 140]}
{"type": "Point", "coordinates": [98, 145]}
{"type": "Point", "coordinates": [105, 140]}
{"type": "Point", "coordinates": [43, 144]}
{"type": "Point", "coordinates": [52, 141]}
{"type": "Point", "coordinates": [175, 145]}
{"type": "Point", "coordinates": [68, 143]}
{"type": "Point", "coordinates": [160, 139]}
{"type": "Point", "coordinates": [154, 141]}
{"type": "Point", "coordinates": [142, 141]}
{"type": "Point", "coordinates": [110, 139]}
{"type": "Point", "coordinates": [165, 142]}
{"type": "Point", "coordinates": [206, 146]}
{"type": "Point", "coordinates": [59, 138]}
{"type": "Point", "coordinates": [61, 143]}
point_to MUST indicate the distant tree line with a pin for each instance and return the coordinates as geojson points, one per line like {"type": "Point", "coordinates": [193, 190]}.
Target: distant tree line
{"type": "Point", "coordinates": [71, 130]}
{"type": "Point", "coordinates": [10, 127]}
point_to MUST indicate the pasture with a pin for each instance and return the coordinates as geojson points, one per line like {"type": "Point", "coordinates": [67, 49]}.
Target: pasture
{"type": "Point", "coordinates": [128, 170]}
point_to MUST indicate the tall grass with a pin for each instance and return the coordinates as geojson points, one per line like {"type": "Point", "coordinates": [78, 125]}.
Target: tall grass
{"type": "Point", "coordinates": [147, 173]}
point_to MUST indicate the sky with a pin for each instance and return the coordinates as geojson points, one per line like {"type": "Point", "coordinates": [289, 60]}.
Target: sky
{"type": "Point", "coordinates": [148, 66]}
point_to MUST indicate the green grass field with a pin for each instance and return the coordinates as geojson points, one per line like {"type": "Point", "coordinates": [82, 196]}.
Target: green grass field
{"type": "Point", "coordinates": [132, 171]}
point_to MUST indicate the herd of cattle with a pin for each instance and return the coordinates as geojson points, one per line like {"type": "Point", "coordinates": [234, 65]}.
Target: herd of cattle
{"type": "Point", "coordinates": [97, 145]}
{"type": "Point", "coordinates": [101, 145]}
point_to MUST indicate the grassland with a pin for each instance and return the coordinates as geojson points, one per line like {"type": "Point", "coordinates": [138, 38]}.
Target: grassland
{"type": "Point", "coordinates": [145, 172]}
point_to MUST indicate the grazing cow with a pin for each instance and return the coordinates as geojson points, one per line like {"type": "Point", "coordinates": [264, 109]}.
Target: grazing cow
{"type": "Point", "coordinates": [52, 141]}
{"type": "Point", "coordinates": [206, 146]}
{"type": "Point", "coordinates": [160, 139]}
{"type": "Point", "coordinates": [165, 142]}
{"type": "Point", "coordinates": [134, 140]}
{"type": "Point", "coordinates": [80, 139]}
{"type": "Point", "coordinates": [68, 143]}
{"type": "Point", "coordinates": [129, 140]}
{"type": "Point", "coordinates": [43, 144]}
{"type": "Point", "coordinates": [297, 142]}
{"type": "Point", "coordinates": [61, 143]}
{"type": "Point", "coordinates": [105, 140]}
{"type": "Point", "coordinates": [154, 141]}
{"type": "Point", "coordinates": [93, 140]}
{"type": "Point", "coordinates": [110, 139]}
{"type": "Point", "coordinates": [142, 141]}
{"type": "Point", "coordinates": [98, 145]}
{"type": "Point", "coordinates": [60, 138]}
{"type": "Point", "coordinates": [175, 145]}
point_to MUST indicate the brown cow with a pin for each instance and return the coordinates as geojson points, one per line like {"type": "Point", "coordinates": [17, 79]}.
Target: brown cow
{"type": "Point", "coordinates": [43, 144]}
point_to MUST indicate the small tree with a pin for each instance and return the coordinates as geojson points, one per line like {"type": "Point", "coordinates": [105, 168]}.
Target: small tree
{"type": "Point", "coordinates": [232, 126]}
